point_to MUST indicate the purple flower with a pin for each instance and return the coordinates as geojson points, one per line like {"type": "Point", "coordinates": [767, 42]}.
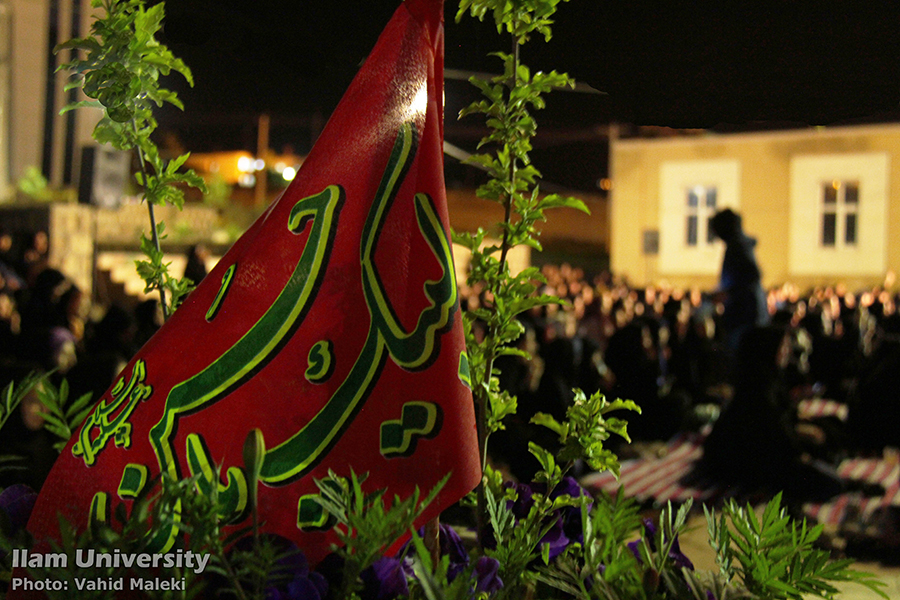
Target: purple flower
{"type": "Point", "coordinates": [298, 589]}
{"type": "Point", "coordinates": [16, 503]}
{"type": "Point", "coordinates": [487, 575]}
{"type": "Point", "coordinates": [571, 515]}
{"type": "Point", "coordinates": [556, 538]}
{"type": "Point", "coordinates": [384, 580]}
{"type": "Point", "coordinates": [567, 527]}
{"type": "Point", "coordinates": [650, 531]}
{"type": "Point", "coordinates": [291, 578]}
{"type": "Point", "coordinates": [451, 546]}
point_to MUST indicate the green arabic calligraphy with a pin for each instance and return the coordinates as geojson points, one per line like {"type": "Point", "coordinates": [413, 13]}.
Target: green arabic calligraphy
{"type": "Point", "coordinates": [297, 455]}
{"type": "Point", "coordinates": [262, 342]}
{"type": "Point", "coordinates": [125, 398]}
{"type": "Point", "coordinates": [387, 337]}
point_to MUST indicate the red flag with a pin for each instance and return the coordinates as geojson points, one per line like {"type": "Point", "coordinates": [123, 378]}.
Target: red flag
{"type": "Point", "coordinates": [332, 325]}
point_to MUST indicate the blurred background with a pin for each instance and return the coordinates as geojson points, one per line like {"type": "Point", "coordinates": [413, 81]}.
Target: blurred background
{"type": "Point", "coordinates": [788, 113]}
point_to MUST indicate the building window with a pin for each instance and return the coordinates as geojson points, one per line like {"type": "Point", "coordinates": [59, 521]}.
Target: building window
{"type": "Point", "coordinates": [839, 214]}
{"type": "Point", "coordinates": [701, 207]}
{"type": "Point", "coordinates": [840, 209]}
{"type": "Point", "coordinates": [690, 194]}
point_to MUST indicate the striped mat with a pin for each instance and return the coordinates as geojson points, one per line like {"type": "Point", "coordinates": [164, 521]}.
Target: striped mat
{"type": "Point", "coordinates": [670, 476]}
{"type": "Point", "coordinates": [854, 506]}
{"type": "Point", "coordinates": [661, 479]}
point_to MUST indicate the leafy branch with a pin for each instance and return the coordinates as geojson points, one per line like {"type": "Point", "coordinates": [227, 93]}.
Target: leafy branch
{"type": "Point", "coordinates": [119, 69]}
{"type": "Point", "coordinates": [775, 556]}
{"type": "Point", "coordinates": [587, 427]}
{"type": "Point", "coordinates": [508, 100]}
{"type": "Point", "coordinates": [61, 416]}
{"type": "Point", "coordinates": [13, 394]}
{"type": "Point", "coordinates": [365, 525]}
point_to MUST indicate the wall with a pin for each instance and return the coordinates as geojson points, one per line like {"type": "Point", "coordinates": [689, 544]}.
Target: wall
{"type": "Point", "coordinates": [30, 39]}
{"type": "Point", "coordinates": [764, 197]}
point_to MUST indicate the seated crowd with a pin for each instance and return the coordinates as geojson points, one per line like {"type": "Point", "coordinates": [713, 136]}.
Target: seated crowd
{"type": "Point", "coordinates": [657, 346]}
{"type": "Point", "coordinates": [49, 325]}
{"type": "Point", "coordinates": [663, 348]}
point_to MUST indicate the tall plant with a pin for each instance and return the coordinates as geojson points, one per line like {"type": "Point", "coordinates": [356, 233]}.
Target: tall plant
{"type": "Point", "coordinates": [119, 69]}
{"type": "Point", "coordinates": [507, 104]}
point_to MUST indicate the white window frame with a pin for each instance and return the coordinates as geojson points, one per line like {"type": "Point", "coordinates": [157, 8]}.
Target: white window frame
{"type": "Point", "coordinates": [677, 179]}
{"type": "Point", "coordinates": [810, 174]}
{"type": "Point", "coordinates": [843, 212]}
{"type": "Point", "coordinates": [702, 212]}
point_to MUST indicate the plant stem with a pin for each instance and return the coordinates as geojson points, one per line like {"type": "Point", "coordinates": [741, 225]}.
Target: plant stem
{"type": "Point", "coordinates": [433, 539]}
{"type": "Point", "coordinates": [154, 232]}
{"type": "Point", "coordinates": [238, 588]}
{"type": "Point", "coordinates": [483, 395]}
{"type": "Point", "coordinates": [504, 247]}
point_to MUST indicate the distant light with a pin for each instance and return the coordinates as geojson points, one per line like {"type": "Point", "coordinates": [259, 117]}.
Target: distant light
{"type": "Point", "coordinates": [289, 173]}
{"type": "Point", "coordinates": [247, 180]}
{"type": "Point", "coordinates": [279, 167]}
{"type": "Point", "coordinates": [259, 164]}
{"type": "Point", "coordinates": [245, 164]}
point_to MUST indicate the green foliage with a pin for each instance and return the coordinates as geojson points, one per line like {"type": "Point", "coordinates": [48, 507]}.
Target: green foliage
{"type": "Point", "coordinates": [657, 550]}
{"type": "Point", "coordinates": [246, 566]}
{"type": "Point", "coordinates": [127, 534]}
{"type": "Point", "coordinates": [508, 99]}
{"type": "Point", "coordinates": [602, 566]}
{"type": "Point", "coordinates": [519, 543]}
{"type": "Point", "coordinates": [520, 18]}
{"type": "Point", "coordinates": [13, 394]}
{"type": "Point", "coordinates": [155, 272]}
{"type": "Point", "coordinates": [366, 526]}
{"type": "Point", "coordinates": [10, 399]}
{"type": "Point", "coordinates": [62, 416]}
{"type": "Point", "coordinates": [431, 578]}
{"type": "Point", "coordinates": [586, 429]}
{"type": "Point", "coordinates": [34, 184]}
{"type": "Point", "coordinates": [119, 68]}
{"type": "Point", "coordinates": [775, 557]}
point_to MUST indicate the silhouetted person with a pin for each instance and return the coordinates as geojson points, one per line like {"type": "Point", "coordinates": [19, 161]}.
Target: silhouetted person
{"type": "Point", "coordinates": [149, 319]}
{"type": "Point", "coordinates": [632, 356]}
{"type": "Point", "coordinates": [754, 441]}
{"type": "Point", "coordinates": [740, 281]}
{"type": "Point", "coordinates": [873, 421]}
{"type": "Point", "coordinates": [51, 322]}
{"type": "Point", "coordinates": [107, 351]}
{"type": "Point", "coordinates": [195, 269]}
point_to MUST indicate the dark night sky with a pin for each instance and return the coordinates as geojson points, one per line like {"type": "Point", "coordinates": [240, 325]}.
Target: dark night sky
{"type": "Point", "coordinates": [724, 65]}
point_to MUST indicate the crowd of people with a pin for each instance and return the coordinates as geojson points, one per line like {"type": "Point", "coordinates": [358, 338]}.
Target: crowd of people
{"type": "Point", "coordinates": [48, 324]}
{"type": "Point", "coordinates": [670, 350]}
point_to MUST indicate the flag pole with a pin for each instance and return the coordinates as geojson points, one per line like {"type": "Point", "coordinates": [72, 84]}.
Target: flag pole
{"type": "Point", "coordinates": [433, 539]}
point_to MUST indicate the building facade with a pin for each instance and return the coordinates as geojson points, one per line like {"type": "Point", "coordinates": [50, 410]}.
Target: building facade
{"type": "Point", "coordinates": [822, 203]}
{"type": "Point", "coordinates": [32, 92]}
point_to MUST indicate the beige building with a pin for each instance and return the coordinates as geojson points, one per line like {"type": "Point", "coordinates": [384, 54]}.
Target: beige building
{"type": "Point", "coordinates": [32, 132]}
{"type": "Point", "coordinates": [823, 204]}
